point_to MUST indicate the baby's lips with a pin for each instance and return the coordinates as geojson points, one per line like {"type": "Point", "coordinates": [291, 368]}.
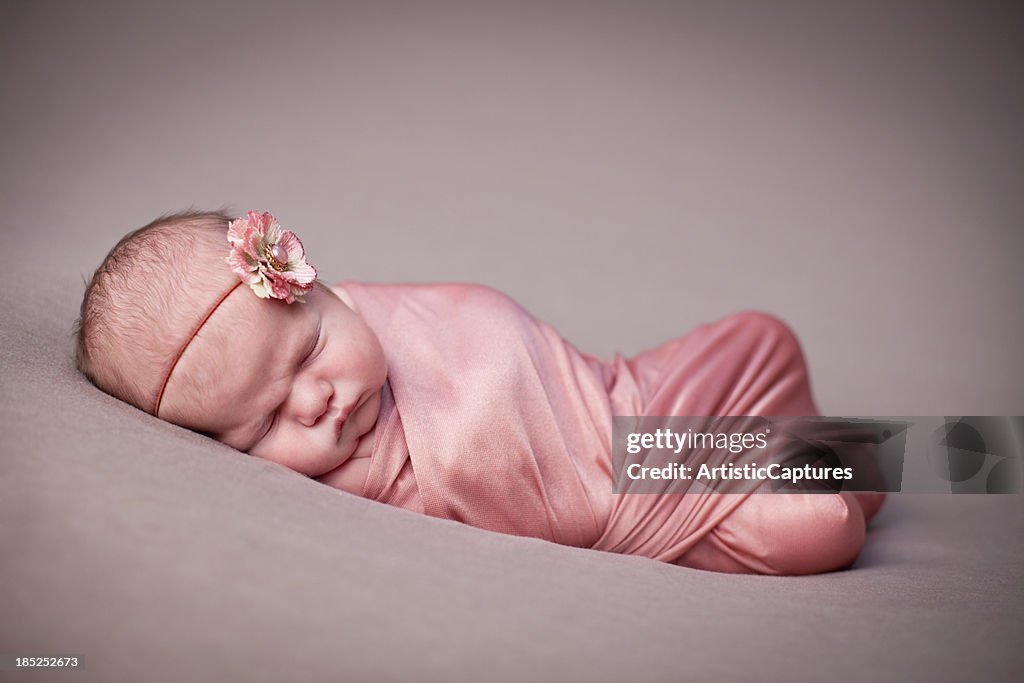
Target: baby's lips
{"type": "Point", "coordinates": [339, 422]}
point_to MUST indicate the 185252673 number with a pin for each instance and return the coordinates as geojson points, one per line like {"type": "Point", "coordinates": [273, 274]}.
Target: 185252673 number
{"type": "Point", "coordinates": [59, 662]}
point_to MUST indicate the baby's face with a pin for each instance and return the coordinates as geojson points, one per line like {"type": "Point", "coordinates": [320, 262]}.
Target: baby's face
{"type": "Point", "coordinates": [297, 384]}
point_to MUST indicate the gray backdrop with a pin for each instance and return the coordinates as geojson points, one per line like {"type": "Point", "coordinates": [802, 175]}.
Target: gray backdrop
{"type": "Point", "coordinates": [625, 170]}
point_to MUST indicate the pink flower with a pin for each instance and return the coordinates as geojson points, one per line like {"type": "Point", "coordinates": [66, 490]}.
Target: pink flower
{"type": "Point", "coordinates": [269, 258]}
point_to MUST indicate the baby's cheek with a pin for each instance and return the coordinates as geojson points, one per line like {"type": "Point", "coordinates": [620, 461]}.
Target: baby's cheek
{"type": "Point", "coordinates": [374, 406]}
{"type": "Point", "coordinates": [377, 360]}
{"type": "Point", "coordinates": [366, 357]}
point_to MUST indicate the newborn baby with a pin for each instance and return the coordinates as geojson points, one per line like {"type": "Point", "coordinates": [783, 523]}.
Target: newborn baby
{"type": "Point", "coordinates": [446, 399]}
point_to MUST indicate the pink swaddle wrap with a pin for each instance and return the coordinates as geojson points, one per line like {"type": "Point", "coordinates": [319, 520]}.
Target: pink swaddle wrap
{"type": "Point", "coordinates": [489, 417]}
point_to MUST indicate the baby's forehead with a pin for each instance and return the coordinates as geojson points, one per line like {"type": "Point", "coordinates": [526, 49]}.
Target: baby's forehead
{"type": "Point", "coordinates": [244, 324]}
{"type": "Point", "coordinates": [237, 360]}
{"type": "Point", "coordinates": [237, 352]}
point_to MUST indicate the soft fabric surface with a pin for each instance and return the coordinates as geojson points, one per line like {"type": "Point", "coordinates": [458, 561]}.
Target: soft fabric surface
{"type": "Point", "coordinates": [626, 171]}
{"type": "Point", "coordinates": [161, 555]}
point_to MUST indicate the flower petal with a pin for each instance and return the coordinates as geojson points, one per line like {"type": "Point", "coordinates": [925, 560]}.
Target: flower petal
{"type": "Point", "coordinates": [303, 272]}
{"type": "Point", "coordinates": [247, 256]}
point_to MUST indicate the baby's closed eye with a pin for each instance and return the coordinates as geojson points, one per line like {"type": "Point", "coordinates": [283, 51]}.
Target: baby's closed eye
{"type": "Point", "coordinates": [270, 423]}
{"type": "Point", "coordinates": [314, 348]}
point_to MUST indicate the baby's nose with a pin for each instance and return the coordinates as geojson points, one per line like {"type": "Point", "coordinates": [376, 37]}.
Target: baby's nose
{"type": "Point", "coordinates": [314, 402]}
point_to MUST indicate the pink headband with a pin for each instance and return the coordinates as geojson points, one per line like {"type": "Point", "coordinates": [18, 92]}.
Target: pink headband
{"type": "Point", "coordinates": [265, 256]}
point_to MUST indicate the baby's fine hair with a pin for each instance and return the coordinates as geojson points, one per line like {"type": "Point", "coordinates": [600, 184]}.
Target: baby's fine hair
{"type": "Point", "coordinates": [145, 296]}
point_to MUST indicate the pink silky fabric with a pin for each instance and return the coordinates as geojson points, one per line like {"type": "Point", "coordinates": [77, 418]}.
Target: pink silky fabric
{"type": "Point", "coordinates": [489, 417]}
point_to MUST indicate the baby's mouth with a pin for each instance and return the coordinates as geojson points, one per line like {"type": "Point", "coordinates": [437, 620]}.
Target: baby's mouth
{"type": "Point", "coordinates": [339, 422]}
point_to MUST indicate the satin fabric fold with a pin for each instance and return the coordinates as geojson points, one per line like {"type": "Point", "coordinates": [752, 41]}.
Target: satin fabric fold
{"type": "Point", "coordinates": [489, 417]}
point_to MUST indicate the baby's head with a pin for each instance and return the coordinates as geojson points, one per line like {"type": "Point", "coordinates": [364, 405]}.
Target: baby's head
{"type": "Point", "coordinates": [167, 325]}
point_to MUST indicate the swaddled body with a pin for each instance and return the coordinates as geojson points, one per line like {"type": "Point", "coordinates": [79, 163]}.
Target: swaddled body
{"type": "Point", "coordinates": [489, 417]}
{"type": "Point", "coordinates": [446, 399]}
